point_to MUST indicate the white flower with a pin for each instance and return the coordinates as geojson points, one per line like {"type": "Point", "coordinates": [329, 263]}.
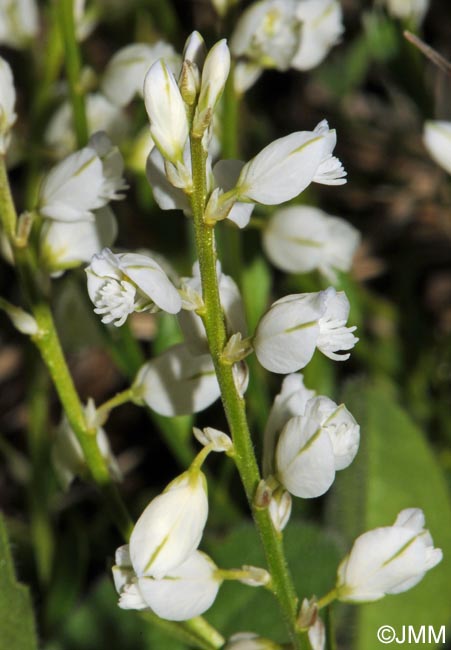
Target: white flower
{"type": "Point", "coordinates": [226, 174]}
{"type": "Point", "coordinates": [322, 26]}
{"type": "Point", "coordinates": [166, 110]}
{"type": "Point", "coordinates": [287, 335]}
{"type": "Point", "coordinates": [214, 76]}
{"type": "Point", "coordinates": [7, 104]}
{"type": "Point", "coordinates": [120, 284]}
{"type": "Point", "coordinates": [284, 168]}
{"type": "Point", "coordinates": [85, 19]}
{"type": "Point", "coordinates": [19, 22]}
{"type": "Point", "coordinates": [437, 139]}
{"type": "Point", "coordinates": [64, 244]}
{"type": "Point", "coordinates": [178, 382]}
{"type": "Point", "coordinates": [101, 115]}
{"type": "Point", "coordinates": [291, 401]}
{"type": "Point", "coordinates": [268, 33]}
{"type": "Point", "coordinates": [299, 239]}
{"type": "Point", "coordinates": [170, 528]}
{"type": "Point", "coordinates": [124, 75]}
{"type": "Point", "coordinates": [407, 9]}
{"type": "Point", "coordinates": [184, 592]}
{"type": "Point", "coordinates": [388, 560]}
{"type": "Point", "coordinates": [314, 445]}
{"type": "Point", "coordinates": [231, 301]}
{"type": "Point", "coordinates": [245, 74]}
{"type": "Point", "coordinates": [85, 181]}
{"type": "Point", "coordinates": [67, 455]}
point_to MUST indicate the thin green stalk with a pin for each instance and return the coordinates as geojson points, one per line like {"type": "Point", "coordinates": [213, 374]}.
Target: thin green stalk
{"type": "Point", "coordinates": [8, 215]}
{"type": "Point", "coordinates": [123, 397]}
{"type": "Point", "coordinates": [234, 404]}
{"type": "Point", "coordinates": [230, 238]}
{"type": "Point", "coordinates": [196, 633]}
{"type": "Point", "coordinates": [65, 13]}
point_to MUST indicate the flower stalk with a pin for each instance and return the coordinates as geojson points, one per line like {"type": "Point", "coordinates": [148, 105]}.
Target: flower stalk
{"type": "Point", "coordinates": [234, 404]}
{"type": "Point", "coordinates": [65, 13]}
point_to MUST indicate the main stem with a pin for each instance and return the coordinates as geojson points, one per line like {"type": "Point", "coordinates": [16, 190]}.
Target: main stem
{"type": "Point", "coordinates": [234, 404]}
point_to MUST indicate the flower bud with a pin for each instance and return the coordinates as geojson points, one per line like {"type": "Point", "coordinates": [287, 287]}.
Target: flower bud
{"type": "Point", "coordinates": [218, 440]}
{"type": "Point", "coordinates": [166, 111]}
{"type": "Point", "coordinates": [120, 284]}
{"type": "Point", "coordinates": [388, 560]}
{"type": "Point", "coordinates": [214, 76]}
{"type": "Point", "coordinates": [170, 528]}
{"type": "Point", "coordinates": [22, 321]}
{"type": "Point", "coordinates": [287, 335]}
{"type": "Point", "coordinates": [280, 509]}
{"type": "Point", "coordinates": [7, 102]}
{"type": "Point", "coordinates": [177, 382]}
{"type": "Point", "coordinates": [255, 576]}
{"type": "Point", "coordinates": [437, 140]}
{"type": "Point", "coordinates": [195, 50]}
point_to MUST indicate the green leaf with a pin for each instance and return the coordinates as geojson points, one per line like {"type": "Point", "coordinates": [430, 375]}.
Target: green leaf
{"type": "Point", "coordinates": [312, 555]}
{"type": "Point", "coordinates": [395, 469]}
{"type": "Point", "coordinates": [17, 626]}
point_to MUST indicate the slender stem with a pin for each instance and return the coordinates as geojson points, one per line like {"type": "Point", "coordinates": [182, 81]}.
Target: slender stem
{"type": "Point", "coordinates": [196, 632]}
{"type": "Point", "coordinates": [123, 397]}
{"type": "Point", "coordinates": [230, 238]}
{"type": "Point", "coordinates": [65, 10]}
{"type": "Point", "coordinates": [203, 630]}
{"type": "Point", "coordinates": [234, 404]}
{"type": "Point", "coordinates": [327, 599]}
{"type": "Point", "coordinates": [8, 214]}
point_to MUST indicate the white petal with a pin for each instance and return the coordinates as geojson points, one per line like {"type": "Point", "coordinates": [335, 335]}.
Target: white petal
{"type": "Point", "coordinates": [437, 139]}
{"type": "Point", "coordinates": [66, 244]}
{"type": "Point", "coordinates": [295, 238]}
{"type": "Point", "coordinates": [7, 104]}
{"type": "Point", "coordinates": [124, 75]}
{"type": "Point", "coordinates": [170, 528]}
{"type": "Point", "coordinates": [287, 335]}
{"type": "Point", "coordinates": [185, 592]}
{"type": "Point", "coordinates": [283, 169]}
{"type": "Point", "coordinates": [322, 27]}
{"type": "Point", "coordinates": [289, 402]}
{"type": "Point", "coordinates": [166, 110]}
{"type": "Point", "coordinates": [304, 458]}
{"type": "Point", "coordinates": [177, 382]}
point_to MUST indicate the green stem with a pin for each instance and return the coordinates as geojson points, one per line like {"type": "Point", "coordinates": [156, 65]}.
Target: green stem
{"type": "Point", "coordinates": [234, 404]}
{"type": "Point", "coordinates": [123, 397]}
{"type": "Point", "coordinates": [8, 214]}
{"type": "Point", "coordinates": [230, 237]}
{"type": "Point", "coordinates": [196, 632]}
{"type": "Point", "coordinates": [65, 12]}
